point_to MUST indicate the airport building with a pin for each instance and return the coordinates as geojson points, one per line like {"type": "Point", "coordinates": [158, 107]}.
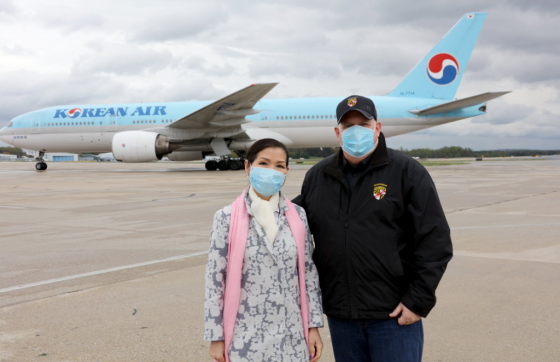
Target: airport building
{"type": "Point", "coordinates": [8, 157]}
{"type": "Point", "coordinates": [61, 157]}
{"type": "Point", "coordinates": [55, 157]}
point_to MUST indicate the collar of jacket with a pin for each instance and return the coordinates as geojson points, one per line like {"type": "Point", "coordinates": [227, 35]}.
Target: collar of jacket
{"type": "Point", "coordinates": [379, 157]}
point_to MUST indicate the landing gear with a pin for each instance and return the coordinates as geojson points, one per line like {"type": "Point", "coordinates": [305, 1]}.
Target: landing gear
{"type": "Point", "coordinates": [41, 165]}
{"type": "Point", "coordinates": [235, 165]}
{"type": "Point", "coordinates": [211, 165]}
{"type": "Point", "coordinates": [225, 163]}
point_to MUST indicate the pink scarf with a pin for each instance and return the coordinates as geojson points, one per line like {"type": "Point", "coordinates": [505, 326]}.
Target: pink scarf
{"type": "Point", "coordinates": [238, 233]}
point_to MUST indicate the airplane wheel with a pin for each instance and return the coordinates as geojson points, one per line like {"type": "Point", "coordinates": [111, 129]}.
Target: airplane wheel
{"type": "Point", "coordinates": [211, 165]}
{"type": "Point", "coordinates": [44, 166]}
{"type": "Point", "coordinates": [241, 165]}
{"type": "Point", "coordinates": [223, 165]}
{"type": "Point", "coordinates": [39, 166]}
{"type": "Point", "coordinates": [234, 165]}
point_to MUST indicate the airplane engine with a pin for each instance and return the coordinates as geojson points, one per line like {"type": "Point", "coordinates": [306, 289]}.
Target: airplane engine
{"type": "Point", "coordinates": [185, 156]}
{"type": "Point", "coordinates": [140, 146]}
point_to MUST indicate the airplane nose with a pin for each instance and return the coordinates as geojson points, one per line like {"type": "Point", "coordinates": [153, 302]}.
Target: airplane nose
{"type": "Point", "coordinates": [3, 136]}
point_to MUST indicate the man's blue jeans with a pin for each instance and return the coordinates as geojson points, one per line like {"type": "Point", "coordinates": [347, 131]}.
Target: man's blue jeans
{"type": "Point", "coordinates": [376, 340]}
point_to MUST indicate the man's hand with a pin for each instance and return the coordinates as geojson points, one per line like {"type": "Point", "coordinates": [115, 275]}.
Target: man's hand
{"type": "Point", "coordinates": [217, 350]}
{"type": "Point", "coordinates": [315, 344]}
{"type": "Point", "coordinates": [407, 317]}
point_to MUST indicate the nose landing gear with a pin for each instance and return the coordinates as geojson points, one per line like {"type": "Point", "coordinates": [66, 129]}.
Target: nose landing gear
{"type": "Point", "coordinates": [41, 165]}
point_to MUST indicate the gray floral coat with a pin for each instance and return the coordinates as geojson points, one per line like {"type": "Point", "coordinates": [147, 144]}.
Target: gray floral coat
{"type": "Point", "coordinates": [268, 325]}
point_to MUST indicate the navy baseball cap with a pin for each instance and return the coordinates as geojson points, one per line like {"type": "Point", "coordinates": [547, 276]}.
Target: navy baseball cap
{"type": "Point", "coordinates": [356, 103]}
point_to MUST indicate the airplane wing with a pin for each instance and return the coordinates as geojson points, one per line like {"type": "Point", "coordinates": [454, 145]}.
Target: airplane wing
{"type": "Point", "coordinates": [223, 119]}
{"type": "Point", "coordinates": [458, 104]}
{"type": "Point", "coordinates": [227, 112]}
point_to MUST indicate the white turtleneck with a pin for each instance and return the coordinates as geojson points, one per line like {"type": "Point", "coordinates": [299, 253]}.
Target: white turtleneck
{"type": "Point", "coordinates": [264, 213]}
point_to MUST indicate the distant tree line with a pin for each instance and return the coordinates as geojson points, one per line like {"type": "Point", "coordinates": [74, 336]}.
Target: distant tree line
{"type": "Point", "coordinates": [456, 152]}
{"type": "Point", "coordinates": [297, 153]}
{"type": "Point", "coordinates": [444, 152]}
{"type": "Point", "coordinates": [12, 151]}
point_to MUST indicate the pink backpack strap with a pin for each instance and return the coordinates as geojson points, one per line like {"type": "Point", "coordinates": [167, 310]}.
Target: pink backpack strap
{"type": "Point", "coordinates": [298, 230]}
{"type": "Point", "coordinates": [238, 233]}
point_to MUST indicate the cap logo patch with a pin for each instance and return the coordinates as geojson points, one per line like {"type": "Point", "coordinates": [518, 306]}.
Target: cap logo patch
{"type": "Point", "coordinates": [352, 102]}
{"type": "Point", "coordinates": [379, 191]}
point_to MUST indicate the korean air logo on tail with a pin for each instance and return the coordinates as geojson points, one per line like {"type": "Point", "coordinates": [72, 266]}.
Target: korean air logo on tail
{"type": "Point", "coordinates": [74, 113]}
{"type": "Point", "coordinates": [442, 69]}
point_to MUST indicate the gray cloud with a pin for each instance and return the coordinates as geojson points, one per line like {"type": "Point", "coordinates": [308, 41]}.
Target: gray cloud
{"type": "Point", "coordinates": [122, 60]}
{"type": "Point", "coordinates": [296, 66]}
{"type": "Point", "coordinates": [71, 20]}
{"type": "Point", "coordinates": [501, 112]}
{"type": "Point", "coordinates": [29, 91]}
{"type": "Point", "coordinates": [16, 50]}
{"type": "Point", "coordinates": [7, 7]}
{"type": "Point", "coordinates": [178, 21]}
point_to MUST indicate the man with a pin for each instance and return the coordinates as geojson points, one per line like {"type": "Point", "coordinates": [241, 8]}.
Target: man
{"type": "Point", "coordinates": [382, 242]}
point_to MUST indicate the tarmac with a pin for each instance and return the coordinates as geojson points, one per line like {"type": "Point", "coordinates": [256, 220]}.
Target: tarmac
{"type": "Point", "coordinates": [106, 261]}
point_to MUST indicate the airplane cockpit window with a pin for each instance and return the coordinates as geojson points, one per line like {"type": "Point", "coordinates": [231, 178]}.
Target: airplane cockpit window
{"type": "Point", "coordinates": [9, 124]}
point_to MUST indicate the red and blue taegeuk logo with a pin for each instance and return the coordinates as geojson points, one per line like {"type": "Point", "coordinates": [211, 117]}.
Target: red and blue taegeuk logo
{"type": "Point", "coordinates": [442, 69]}
{"type": "Point", "coordinates": [74, 113]}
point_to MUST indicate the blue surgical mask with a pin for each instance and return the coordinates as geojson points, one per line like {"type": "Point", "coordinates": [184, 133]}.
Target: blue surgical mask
{"type": "Point", "coordinates": [266, 181]}
{"type": "Point", "coordinates": [358, 141]}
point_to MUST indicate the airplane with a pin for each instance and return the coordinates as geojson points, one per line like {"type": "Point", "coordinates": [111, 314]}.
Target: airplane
{"type": "Point", "coordinates": [186, 131]}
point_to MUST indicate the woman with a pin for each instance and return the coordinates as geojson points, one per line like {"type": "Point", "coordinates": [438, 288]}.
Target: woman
{"type": "Point", "coordinates": [263, 301]}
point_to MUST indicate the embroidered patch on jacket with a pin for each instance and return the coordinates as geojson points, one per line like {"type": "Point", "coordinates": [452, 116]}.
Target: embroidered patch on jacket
{"type": "Point", "coordinates": [379, 191]}
{"type": "Point", "coordinates": [352, 102]}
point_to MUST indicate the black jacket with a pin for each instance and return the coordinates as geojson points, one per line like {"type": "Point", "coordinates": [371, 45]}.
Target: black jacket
{"type": "Point", "coordinates": [375, 249]}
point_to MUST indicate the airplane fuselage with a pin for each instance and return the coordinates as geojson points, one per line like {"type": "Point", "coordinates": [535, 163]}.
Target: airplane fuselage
{"type": "Point", "coordinates": [298, 122]}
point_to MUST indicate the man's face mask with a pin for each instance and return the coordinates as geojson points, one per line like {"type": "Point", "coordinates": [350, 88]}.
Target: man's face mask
{"type": "Point", "coordinates": [358, 141]}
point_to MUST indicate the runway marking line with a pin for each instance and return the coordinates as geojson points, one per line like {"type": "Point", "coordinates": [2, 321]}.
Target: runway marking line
{"type": "Point", "coordinates": [179, 257]}
{"type": "Point", "coordinates": [110, 270]}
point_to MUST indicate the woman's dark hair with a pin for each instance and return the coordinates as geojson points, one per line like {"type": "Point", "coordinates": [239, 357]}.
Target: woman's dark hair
{"type": "Point", "coordinates": [262, 145]}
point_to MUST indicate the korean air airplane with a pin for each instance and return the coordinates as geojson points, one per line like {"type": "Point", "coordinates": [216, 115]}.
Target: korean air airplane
{"type": "Point", "coordinates": [184, 131]}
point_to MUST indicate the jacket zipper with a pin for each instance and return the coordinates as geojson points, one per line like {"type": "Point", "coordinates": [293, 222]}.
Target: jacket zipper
{"type": "Point", "coordinates": [350, 289]}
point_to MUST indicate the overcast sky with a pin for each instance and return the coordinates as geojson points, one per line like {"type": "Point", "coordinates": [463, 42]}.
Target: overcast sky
{"type": "Point", "coordinates": [63, 52]}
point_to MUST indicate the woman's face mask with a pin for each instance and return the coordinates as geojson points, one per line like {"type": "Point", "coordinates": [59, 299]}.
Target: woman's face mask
{"type": "Point", "coordinates": [267, 172]}
{"type": "Point", "coordinates": [358, 141]}
{"type": "Point", "coordinates": [266, 181]}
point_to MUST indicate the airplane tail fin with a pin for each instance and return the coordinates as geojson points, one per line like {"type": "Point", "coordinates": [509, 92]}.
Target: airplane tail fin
{"type": "Point", "coordinates": [439, 74]}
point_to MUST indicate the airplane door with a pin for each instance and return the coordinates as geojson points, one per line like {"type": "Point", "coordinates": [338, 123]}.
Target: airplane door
{"type": "Point", "coordinates": [36, 125]}
{"type": "Point", "coordinates": [112, 123]}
